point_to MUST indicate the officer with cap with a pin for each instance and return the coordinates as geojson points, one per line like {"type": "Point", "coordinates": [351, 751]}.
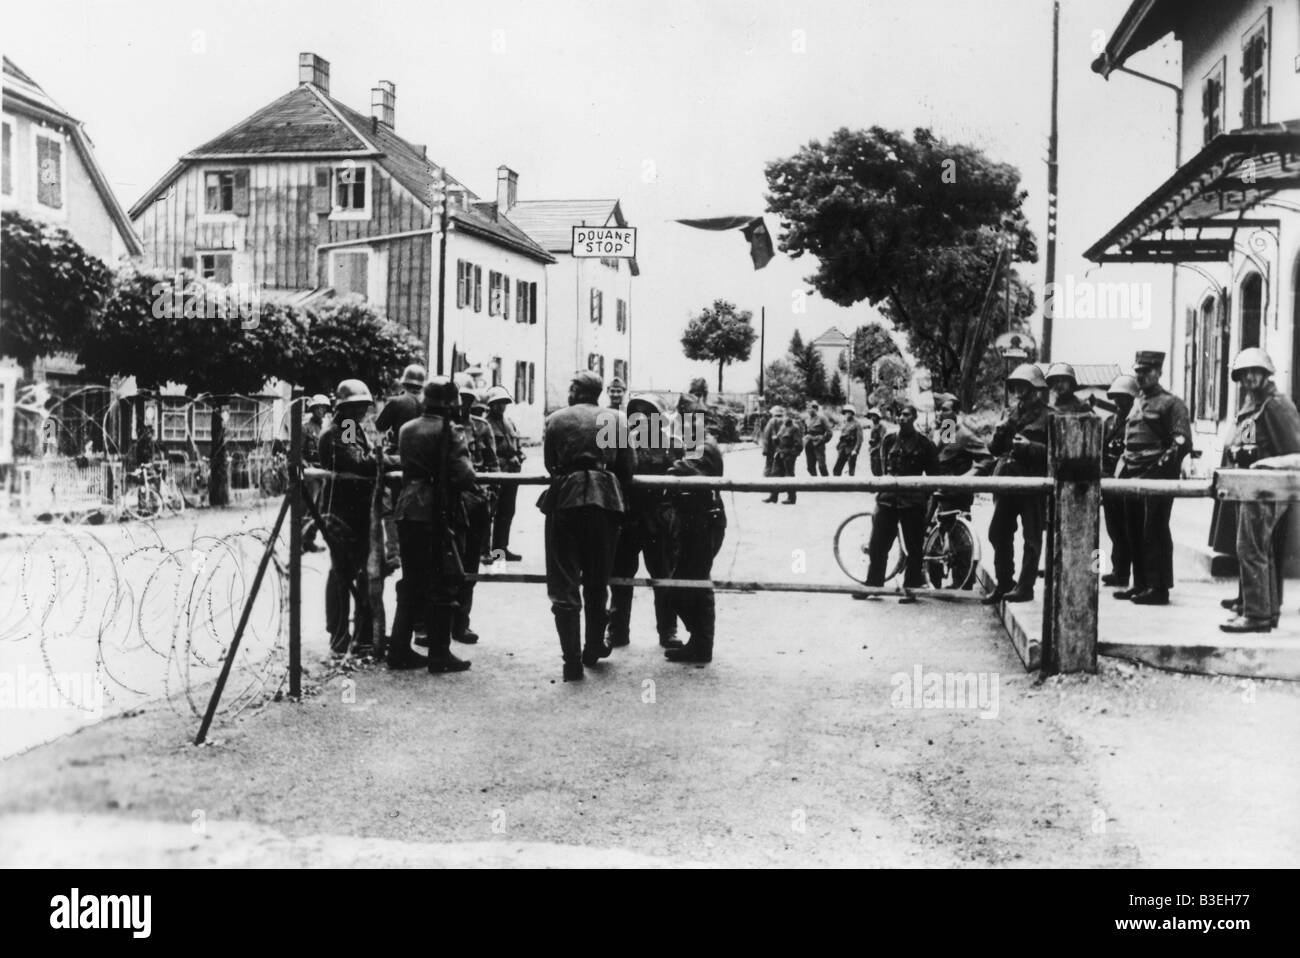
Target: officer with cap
{"type": "Point", "coordinates": [510, 457]}
{"type": "Point", "coordinates": [478, 504]}
{"type": "Point", "coordinates": [1122, 392]}
{"type": "Point", "coordinates": [436, 472]}
{"type": "Point", "coordinates": [874, 439]}
{"type": "Point", "coordinates": [699, 524]}
{"type": "Point", "coordinates": [767, 442]}
{"type": "Point", "coordinates": [584, 506]}
{"type": "Point", "coordinates": [850, 442]}
{"type": "Point", "coordinates": [1020, 443]}
{"type": "Point", "coordinates": [647, 524]}
{"type": "Point", "coordinates": [1156, 438]}
{"type": "Point", "coordinates": [1062, 383]}
{"type": "Point", "coordinates": [616, 391]}
{"type": "Point", "coordinates": [345, 449]}
{"type": "Point", "coordinates": [1268, 426]}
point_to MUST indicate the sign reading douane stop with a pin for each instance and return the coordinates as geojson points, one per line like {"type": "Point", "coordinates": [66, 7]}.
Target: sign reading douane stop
{"type": "Point", "coordinates": [613, 242]}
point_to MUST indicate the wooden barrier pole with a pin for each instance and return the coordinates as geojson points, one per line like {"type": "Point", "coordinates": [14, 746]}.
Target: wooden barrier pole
{"type": "Point", "coordinates": [1070, 608]}
{"type": "Point", "coordinates": [295, 544]}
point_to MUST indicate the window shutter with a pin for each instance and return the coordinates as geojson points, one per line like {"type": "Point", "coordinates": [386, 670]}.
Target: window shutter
{"type": "Point", "coordinates": [241, 192]}
{"type": "Point", "coordinates": [478, 289]}
{"type": "Point", "coordinates": [505, 298]}
{"type": "Point", "coordinates": [320, 194]}
{"type": "Point", "coordinates": [532, 304]}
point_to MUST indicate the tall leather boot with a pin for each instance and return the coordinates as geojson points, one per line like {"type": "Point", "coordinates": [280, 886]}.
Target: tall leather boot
{"type": "Point", "coordinates": [400, 653]}
{"type": "Point", "coordinates": [596, 647]}
{"type": "Point", "coordinates": [440, 657]}
{"type": "Point", "coordinates": [568, 624]}
{"type": "Point", "coordinates": [666, 620]}
{"type": "Point", "coordinates": [618, 631]}
{"type": "Point", "coordinates": [460, 630]}
{"type": "Point", "coordinates": [1024, 590]}
{"type": "Point", "coordinates": [697, 614]}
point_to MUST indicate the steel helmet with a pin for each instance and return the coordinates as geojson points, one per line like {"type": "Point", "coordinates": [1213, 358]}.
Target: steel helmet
{"type": "Point", "coordinates": [1064, 370]}
{"type": "Point", "coordinates": [319, 400]}
{"type": "Point", "coordinates": [1252, 358]}
{"type": "Point", "coordinates": [1123, 386]}
{"type": "Point", "coordinates": [873, 412]}
{"type": "Point", "coordinates": [776, 411]}
{"type": "Point", "coordinates": [1028, 373]}
{"type": "Point", "coordinates": [352, 390]}
{"type": "Point", "coordinates": [465, 386]}
{"type": "Point", "coordinates": [413, 375]}
{"type": "Point", "coordinates": [441, 393]}
{"type": "Point", "coordinates": [847, 408]}
{"type": "Point", "coordinates": [497, 394]}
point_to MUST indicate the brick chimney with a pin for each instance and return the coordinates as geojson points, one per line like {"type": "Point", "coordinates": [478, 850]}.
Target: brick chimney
{"type": "Point", "coordinates": [507, 189]}
{"type": "Point", "coordinates": [314, 70]}
{"type": "Point", "coordinates": [383, 103]}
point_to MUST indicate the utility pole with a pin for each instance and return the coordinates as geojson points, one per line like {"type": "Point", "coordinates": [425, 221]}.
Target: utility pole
{"type": "Point", "coordinates": [438, 198]}
{"type": "Point", "coordinates": [762, 340]}
{"type": "Point", "coordinates": [1049, 287]}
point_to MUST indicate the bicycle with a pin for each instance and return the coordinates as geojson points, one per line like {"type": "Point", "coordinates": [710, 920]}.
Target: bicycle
{"type": "Point", "coordinates": [157, 493]}
{"type": "Point", "coordinates": [950, 549]}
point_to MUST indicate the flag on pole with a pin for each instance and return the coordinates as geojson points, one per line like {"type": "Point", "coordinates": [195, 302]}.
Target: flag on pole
{"type": "Point", "coordinates": [752, 227]}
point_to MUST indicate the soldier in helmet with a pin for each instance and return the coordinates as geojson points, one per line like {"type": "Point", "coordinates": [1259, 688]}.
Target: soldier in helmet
{"type": "Point", "coordinates": [1122, 392]}
{"type": "Point", "coordinates": [584, 506]}
{"type": "Point", "coordinates": [1156, 438]}
{"type": "Point", "coordinates": [436, 472]}
{"type": "Point", "coordinates": [478, 505]}
{"type": "Point", "coordinates": [1268, 426]}
{"type": "Point", "coordinates": [788, 442]}
{"type": "Point", "coordinates": [344, 449]}
{"type": "Point", "coordinates": [510, 457]}
{"type": "Point", "coordinates": [1061, 384]}
{"type": "Point", "coordinates": [849, 443]}
{"type": "Point", "coordinates": [317, 406]}
{"type": "Point", "coordinates": [767, 442]}
{"type": "Point", "coordinates": [616, 391]}
{"type": "Point", "coordinates": [398, 411]}
{"type": "Point", "coordinates": [1020, 444]}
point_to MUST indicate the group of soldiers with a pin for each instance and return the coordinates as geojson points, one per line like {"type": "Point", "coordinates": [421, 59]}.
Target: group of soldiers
{"type": "Point", "coordinates": [441, 522]}
{"type": "Point", "coordinates": [786, 434]}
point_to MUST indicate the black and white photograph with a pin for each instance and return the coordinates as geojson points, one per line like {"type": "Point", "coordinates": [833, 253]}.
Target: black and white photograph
{"type": "Point", "coordinates": [656, 434]}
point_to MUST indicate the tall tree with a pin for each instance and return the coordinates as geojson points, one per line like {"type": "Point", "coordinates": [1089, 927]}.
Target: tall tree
{"type": "Point", "coordinates": [810, 366]}
{"type": "Point", "coordinates": [348, 339]}
{"type": "Point", "coordinates": [835, 393]}
{"type": "Point", "coordinates": [870, 342]}
{"type": "Point", "coordinates": [719, 334]}
{"type": "Point", "coordinates": [922, 228]}
{"type": "Point", "coordinates": [783, 385]}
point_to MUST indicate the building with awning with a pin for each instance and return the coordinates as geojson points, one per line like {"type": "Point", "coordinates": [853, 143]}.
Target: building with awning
{"type": "Point", "coordinates": [1228, 219]}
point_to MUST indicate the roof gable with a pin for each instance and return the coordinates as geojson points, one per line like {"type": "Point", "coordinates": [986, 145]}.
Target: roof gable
{"type": "Point", "coordinates": [832, 337]}
{"type": "Point", "coordinates": [298, 122]}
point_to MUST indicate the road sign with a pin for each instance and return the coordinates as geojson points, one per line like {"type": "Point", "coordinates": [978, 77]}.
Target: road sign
{"type": "Point", "coordinates": [606, 242]}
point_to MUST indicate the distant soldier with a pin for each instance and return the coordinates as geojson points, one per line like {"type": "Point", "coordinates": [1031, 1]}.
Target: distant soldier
{"type": "Point", "coordinates": [874, 439]}
{"type": "Point", "coordinates": [584, 506]}
{"type": "Point", "coordinates": [850, 442]}
{"type": "Point", "coordinates": [436, 472]}
{"type": "Point", "coordinates": [767, 442]}
{"type": "Point", "coordinates": [478, 506]}
{"type": "Point", "coordinates": [788, 441]}
{"type": "Point", "coordinates": [1020, 443]}
{"type": "Point", "coordinates": [344, 449]}
{"type": "Point", "coordinates": [1061, 384]}
{"type": "Point", "coordinates": [616, 391]}
{"type": "Point", "coordinates": [647, 525]}
{"type": "Point", "coordinates": [699, 524]}
{"type": "Point", "coordinates": [510, 457]}
{"type": "Point", "coordinates": [1122, 392]}
{"type": "Point", "coordinates": [815, 440]}
{"type": "Point", "coordinates": [1156, 438]}
{"type": "Point", "coordinates": [906, 453]}
{"type": "Point", "coordinates": [1268, 427]}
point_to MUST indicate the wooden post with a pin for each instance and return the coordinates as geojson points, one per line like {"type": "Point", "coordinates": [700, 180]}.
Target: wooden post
{"type": "Point", "coordinates": [295, 543]}
{"type": "Point", "coordinates": [1070, 608]}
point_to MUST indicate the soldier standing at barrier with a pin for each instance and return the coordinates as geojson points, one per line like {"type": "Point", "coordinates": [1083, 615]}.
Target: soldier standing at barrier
{"type": "Point", "coordinates": [1062, 383]}
{"type": "Point", "coordinates": [819, 433]}
{"type": "Point", "coordinates": [312, 425]}
{"type": "Point", "coordinates": [647, 525]}
{"type": "Point", "coordinates": [1122, 392]}
{"type": "Point", "coordinates": [850, 442]}
{"type": "Point", "coordinates": [906, 453]}
{"type": "Point", "coordinates": [1020, 443]}
{"type": "Point", "coordinates": [397, 412]}
{"type": "Point", "coordinates": [788, 441]}
{"type": "Point", "coordinates": [874, 439]}
{"type": "Point", "coordinates": [1268, 425]}
{"type": "Point", "coordinates": [478, 507]}
{"type": "Point", "coordinates": [1156, 438]}
{"type": "Point", "coordinates": [430, 514]}
{"type": "Point", "coordinates": [344, 449]}
{"type": "Point", "coordinates": [510, 457]}
{"type": "Point", "coordinates": [699, 525]}
{"type": "Point", "coordinates": [767, 442]}
{"type": "Point", "coordinates": [591, 473]}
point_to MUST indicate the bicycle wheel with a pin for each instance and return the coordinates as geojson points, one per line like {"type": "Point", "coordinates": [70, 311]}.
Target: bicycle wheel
{"type": "Point", "coordinates": [950, 556]}
{"type": "Point", "coordinates": [143, 503]}
{"type": "Point", "coordinates": [852, 539]}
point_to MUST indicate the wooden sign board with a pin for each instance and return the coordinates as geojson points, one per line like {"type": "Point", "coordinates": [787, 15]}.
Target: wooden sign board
{"type": "Point", "coordinates": [604, 242]}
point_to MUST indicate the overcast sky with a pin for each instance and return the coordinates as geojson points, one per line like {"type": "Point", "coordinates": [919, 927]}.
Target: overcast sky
{"type": "Point", "coordinates": [672, 106]}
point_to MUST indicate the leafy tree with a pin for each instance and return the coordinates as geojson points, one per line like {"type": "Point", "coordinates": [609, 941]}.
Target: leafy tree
{"type": "Point", "coordinates": [699, 387]}
{"type": "Point", "coordinates": [783, 385]}
{"type": "Point", "coordinates": [922, 228]}
{"type": "Point", "coordinates": [869, 343]}
{"type": "Point", "coordinates": [719, 335]}
{"type": "Point", "coordinates": [51, 289]}
{"type": "Point", "coordinates": [348, 339]}
{"type": "Point", "coordinates": [891, 376]}
{"type": "Point", "coordinates": [810, 366]}
{"type": "Point", "coordinates": [836, 392]}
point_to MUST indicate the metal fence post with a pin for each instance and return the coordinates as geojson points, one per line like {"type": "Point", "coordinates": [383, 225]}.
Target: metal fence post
{"type": "Point", "coordinates": [295, 494]}
{"type": "Point", "coordinates": [1070, 607]}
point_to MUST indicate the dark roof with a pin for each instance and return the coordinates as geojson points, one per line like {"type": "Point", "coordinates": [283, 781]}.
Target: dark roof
{"type": "Point", "coordinates": [1143, 24]}
{"type": "Point", "coordinates": [298, 122]}
{"type": "Point", "coordinates": [551, 222]}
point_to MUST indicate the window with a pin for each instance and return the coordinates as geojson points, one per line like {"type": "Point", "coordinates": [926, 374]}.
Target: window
{"type": "Point", "coordinates": [216, 267]}
{"type": "Point", "coordinates": [202, 422]}
{"type": "Point", "coordinates": [496, 370]}
{"type": "Point", "coordinates": [7, 186]}
{"type": "Point", "coordinates": [620, 316]}
{"type": "Point", "coordinates": [504, 294]}
{"type": "Point", "coordinates": [597, 306]}
{"type": "Point", "coordinates": [462, 283]}
{"type": "Point", "coordinates": [350, 272]}
{"type": "Point", "coordinates": [620, 370]}
{"type": "Point", "coordinates": [532, 382]}
{"type": "Point", "coordinates": [1254, 75]}
{"type": "Point", "coordinates": [526, 303]}
{"type": "Point", "coordinates": [241, 420]}
{"type": "Point", "coordinates": [351, 189]}
{"type": "Point", "coordinates": [521, 382]}
{"type": "Point", "coordinates": [220, 190]}
{"type": "Point", "coordinates": [1252, 310]}
{"type": "Point", "coordinates": [494, 292]}
{"type": "Point", "coordinates": [175, 420]}
{"type": "Point", "coordinates": [49, 169]}
{"type": "Point", "coordinates": [478, 289]}
{"type": "Point", "coordinates": [1212, 101]}
{"type": "Point", "coordinates": [596, 363]}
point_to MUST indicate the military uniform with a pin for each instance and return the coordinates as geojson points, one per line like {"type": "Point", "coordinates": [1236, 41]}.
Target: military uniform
{"type": "Point", "coordinates": [905, 454]}
{"type": "Point", "coordinates": [584, 507]}
{"type": "Point", "coordinates": [877, 437]}
{"type": "Point", "coordinates": [1030, 422]}
{"type": "Point", "coordinates": [510, 457]}
{"type": "Point", "coordinates": [477, 503]}
{"type": "Point", "coordinates": [788, 440]}
{"type": "Point", "coordinates": [819, 433]}
{"type": "Point", "coordinates": [1156, 437]}
{"type": "Point", "coordinates": [1112, 507]}
{"type": "Point", "coordinates": [964, 453]}
{"type": "Point", "coordinates": [848, 446]}
{"type": "Point", "coordinates": [398, 411]}
{"type": "Point", "coordinates": [767, 442]}
{"type": "Point", "coordinates": [699, 525]}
